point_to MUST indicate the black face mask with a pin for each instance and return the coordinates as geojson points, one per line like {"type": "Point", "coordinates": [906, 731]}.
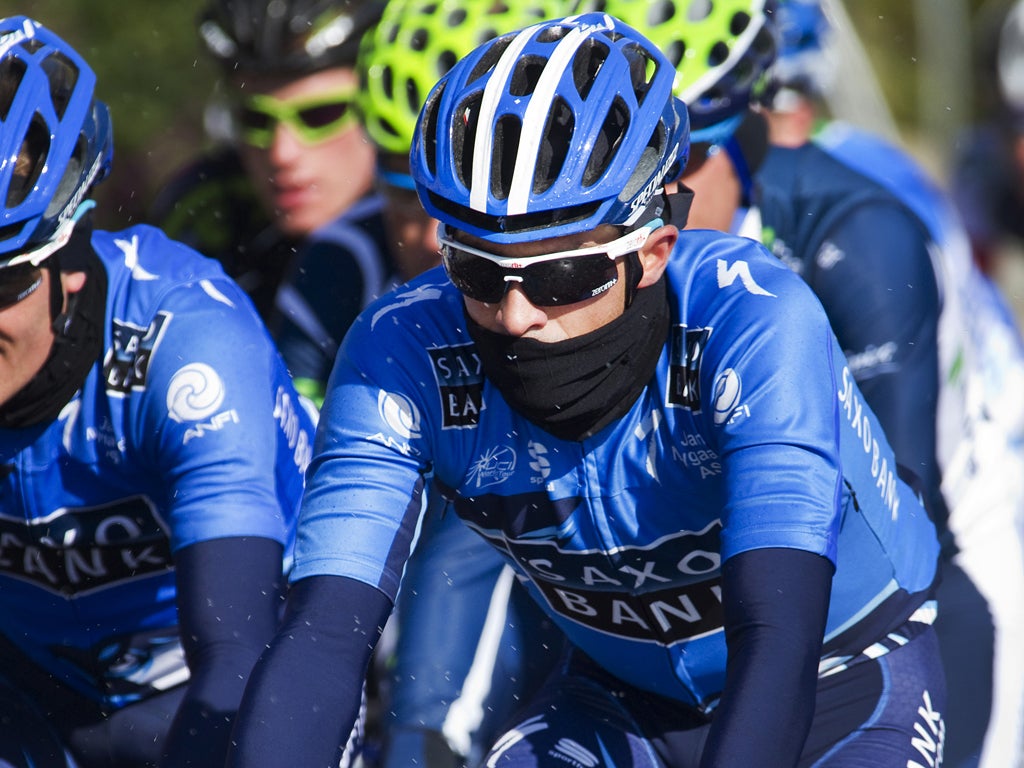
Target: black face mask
{"type": "Point", "coordinates": [79, 337]}
{"type": "Point", "coordinates": [575, 388]}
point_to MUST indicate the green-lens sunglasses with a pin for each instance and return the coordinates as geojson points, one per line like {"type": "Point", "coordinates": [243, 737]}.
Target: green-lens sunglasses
{"type": "Point", "coordinates": [312, 119]}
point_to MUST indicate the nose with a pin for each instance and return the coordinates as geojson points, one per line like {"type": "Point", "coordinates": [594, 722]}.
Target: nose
{"type": "Point", "coordinates": [517, 315]}
{"type": "Point", "coordinates": [285, 146]}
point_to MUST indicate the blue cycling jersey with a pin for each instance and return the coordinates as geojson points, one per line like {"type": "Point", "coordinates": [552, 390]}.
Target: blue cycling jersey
{"type": "Point", "coordinates": [169, 442]}
{"type": "Point", "coordinates": [752, 434]}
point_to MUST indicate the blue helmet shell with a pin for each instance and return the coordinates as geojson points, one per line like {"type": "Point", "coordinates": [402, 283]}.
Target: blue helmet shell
{"type": "Point", "coordinates": [548, 131]}
{"type": "Point", "coordinates": [56, 139]}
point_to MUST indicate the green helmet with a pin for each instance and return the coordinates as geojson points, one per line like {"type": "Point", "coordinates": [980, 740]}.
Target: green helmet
{"type": "Point", "coordinates": [417, 42]}
{"type": "Point", "coordinates": [722, 49]}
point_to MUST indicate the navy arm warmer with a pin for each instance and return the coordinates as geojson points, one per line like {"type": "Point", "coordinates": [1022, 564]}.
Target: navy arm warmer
{"type": "Point", "coordinates": [305, 692]}
{"type": "Point", "coordinates": [775, 603]}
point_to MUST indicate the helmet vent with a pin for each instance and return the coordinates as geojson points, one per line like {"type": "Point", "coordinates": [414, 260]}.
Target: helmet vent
{"type": "Point", "coordinates": [587, 63]}
{"type": "Point", "coordinates": [507, 133]}
{"type": "Point", "coordinates": [552, 34]}
{"type": "Point", "coordinates": [63, 76]}
{"type": "Point", "coordinates": [32, 45]}
{"type": "Point", "coordinates": [607, 142]}
{"type": "Point", "coordinates": [69, 182]}
{"type": "Point", "coordinates": [463, 135]}
{"type": "Point", "coordinates": [490, 58]}
{"type": "Point", "coordinates": [660, 12]}
{"type": "Point", "coordinates": [12, 72]}
{"type": "Point", "coordinates": [429, 132]}
{"type": "Point", "coordinates": [525, 75]}
{"type": "Point", "coordinates": [718, 54]}
{"type": "Point", "coordinates": [698, 10]}
{"type": "Point", "coordinates": [30, 162]}
{"type": "Point", "coordinates": [554, 146]}
{"type": "Point", "coordinates": [739, 22]}
{"type": "Point", "coordinates": [641, 70]}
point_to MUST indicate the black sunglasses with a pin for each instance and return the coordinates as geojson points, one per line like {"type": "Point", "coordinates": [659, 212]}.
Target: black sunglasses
{"type": "Point", "coordinates": [18, 283]}
{"type": "Point", "coordinates": [548, 280]}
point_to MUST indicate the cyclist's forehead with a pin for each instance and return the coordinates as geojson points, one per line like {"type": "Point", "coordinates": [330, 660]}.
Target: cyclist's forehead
{"type": "Point", "coordinates": [605, 233]}
{"type": "Point", "coordinates": [295, 87]}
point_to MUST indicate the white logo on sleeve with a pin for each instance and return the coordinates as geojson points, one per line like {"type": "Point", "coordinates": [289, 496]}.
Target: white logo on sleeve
{"type": "Point", "coordinates": [195, 392]}
{"type": "Point", "coordinates": [727, 276]}
{"type": "Point", "coordinates": [399, 413]}
{"type": "Point", "coordinates": [728, 390]}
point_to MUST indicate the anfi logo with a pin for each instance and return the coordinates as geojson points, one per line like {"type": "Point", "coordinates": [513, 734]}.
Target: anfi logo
{"type": "Point", "coordinates": [399, 413]}
{"type": "Point", "coordinates": [728, 389]}
{"type": "Point", "coordinates": [195, 392]}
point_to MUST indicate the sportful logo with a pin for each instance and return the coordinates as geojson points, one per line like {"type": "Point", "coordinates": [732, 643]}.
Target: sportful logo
{"type": "Point", "coordinates": [727, 276]}
{"type": "Point", "coordinates": [575, 754]}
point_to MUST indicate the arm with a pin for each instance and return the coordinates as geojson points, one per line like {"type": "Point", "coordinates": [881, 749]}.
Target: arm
{"type": "Point", "coordinates": [306, 689]}
{"type": "Point", "coordinates": [229, 593]}
{"type": "Point", "coordinates": [775, 603]}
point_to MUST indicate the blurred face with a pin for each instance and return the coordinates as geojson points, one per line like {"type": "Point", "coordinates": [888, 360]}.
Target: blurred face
{"type": "Point", "coordinates": [26, 333]}
{"type": "Point", "coordinates": [411, 232]}
{"type": "Point", "coordinates": [516, 315]}
{"type": "Point", "coordinates": [302, 146]}
{"type": "Point", "coordinates": [716, 192]}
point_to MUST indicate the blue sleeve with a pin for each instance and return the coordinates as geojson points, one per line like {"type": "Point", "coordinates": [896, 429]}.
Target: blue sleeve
{"type": "Point", "coordinates": [211, 419]}
{"type": "Point", "coordinates": [229, 594]}
{"type": "Point", "coordinates": [305, 692]}
{"type": "Point", "coordinates": [775, 605]}
{"type": "Point", "coordinates": [876, 280]}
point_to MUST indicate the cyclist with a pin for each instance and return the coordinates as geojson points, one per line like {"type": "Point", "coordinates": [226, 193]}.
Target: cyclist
{"type": "Point", "coordinates": [881, 247]}
{"type": "Point", "coordinates": [465, 642]}
{"type": "Point", "coordinates": [151, 454]}
{"type": "Point", "coordinates": [287, 203]}
{"type": "Point", "coordinates": [656, 429]}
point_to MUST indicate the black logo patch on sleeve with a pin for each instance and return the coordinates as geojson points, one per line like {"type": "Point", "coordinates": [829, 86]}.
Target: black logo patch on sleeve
{"type": "Point", "coordinates": [460, 384]}
{"type": "Point", "coordinates": [687, 349]}
{"type": "Point", "coordinates": [128, 359]}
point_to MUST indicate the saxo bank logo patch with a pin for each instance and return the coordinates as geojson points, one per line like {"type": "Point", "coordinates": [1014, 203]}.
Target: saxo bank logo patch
{"type": "Point", "coordinates": [460, 383]}
{"type": "Point", "coordinates": [684, 366]}
{"type": "Point", "coordinates": [132, 350]}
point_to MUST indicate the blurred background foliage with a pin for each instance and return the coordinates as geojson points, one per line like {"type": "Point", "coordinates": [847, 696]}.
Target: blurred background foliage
{"type": "Point", "coordinates": [931, 59]}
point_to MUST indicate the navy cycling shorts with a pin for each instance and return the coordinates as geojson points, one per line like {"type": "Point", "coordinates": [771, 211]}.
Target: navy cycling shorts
{"type": "Point", "coordinates": [884, 711]}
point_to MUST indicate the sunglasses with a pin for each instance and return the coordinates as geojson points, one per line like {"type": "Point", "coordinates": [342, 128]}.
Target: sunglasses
{"type": "Point", "coordinates": [18, 283]}
{"type": "Point", "coordinates": [548, 280]}
{"type": "Point", "coordinates": [313, 120]}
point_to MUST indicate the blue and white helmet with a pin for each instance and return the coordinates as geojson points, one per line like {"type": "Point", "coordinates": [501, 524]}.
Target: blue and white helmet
{"type": "Point", "coordinates": [808, 61]}
{"type": "Point", "coordinates": [55, 140]}
{"type": "Point", "coordinates": [552, 130]}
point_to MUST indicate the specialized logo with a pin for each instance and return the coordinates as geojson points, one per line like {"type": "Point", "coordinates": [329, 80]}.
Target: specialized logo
{"type": "Point", "coordinates": [727, 276]}
{"type": "Point", "coordinates": [728, 390]}
{"type": "Point", "coordinates": [195, 392]}
{"type": "Point", "coordinates": [496, 466]}
{"type": "Point", "coordinates": [685, 353]}
{"type": "Point", "coordinates": [75, 551]}
{"type": "Point", "coordinates": [886, 482]}
{"type": "Point", "coordinates": [127, 362]}
{"type": "Point", "coordinates": [130, 250]}
{"type": "Point", "coordinates": [460, 384]}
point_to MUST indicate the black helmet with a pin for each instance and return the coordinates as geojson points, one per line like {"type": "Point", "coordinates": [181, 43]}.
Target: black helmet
{"type": "Point", "coordinates": [286, 36]}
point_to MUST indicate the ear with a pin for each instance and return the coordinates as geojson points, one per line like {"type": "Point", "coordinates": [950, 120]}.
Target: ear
{"type": "Point", "coordinates": [73, 281]}
{"type": "Point", "coordinates": [655, 253]}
